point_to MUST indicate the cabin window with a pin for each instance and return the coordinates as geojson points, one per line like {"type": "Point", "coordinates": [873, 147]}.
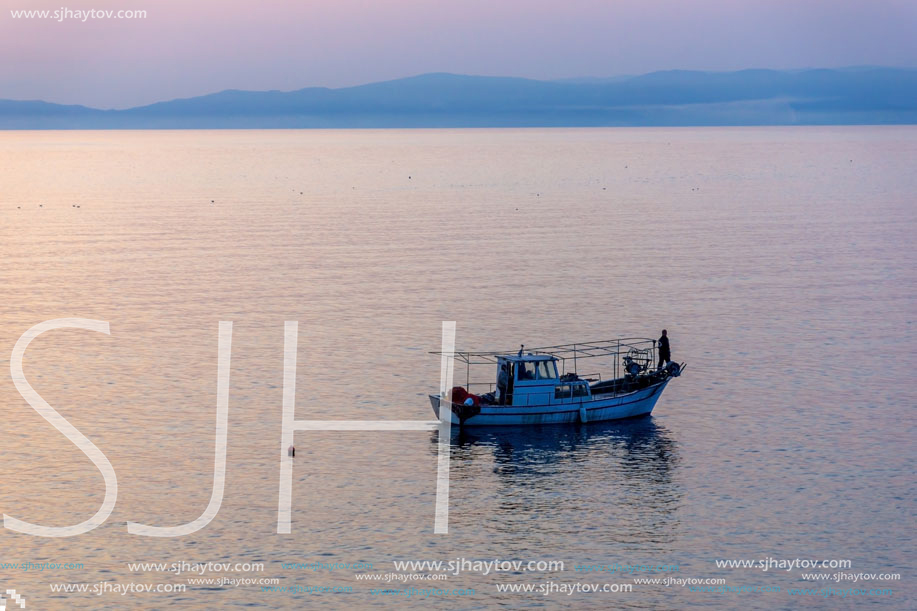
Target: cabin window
{"type": "Point", "coordinates": [547, 370]}
{"type": "Point", "coordinates": [562, 391]}
{"type": "Point", "coordinates": [526, 370]}
{"type": "Point", "coordinates": [580, 390]}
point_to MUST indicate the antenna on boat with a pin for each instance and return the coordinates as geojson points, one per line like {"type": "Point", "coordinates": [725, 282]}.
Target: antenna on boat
{"type": "Point", "coordinates": [521, 348]}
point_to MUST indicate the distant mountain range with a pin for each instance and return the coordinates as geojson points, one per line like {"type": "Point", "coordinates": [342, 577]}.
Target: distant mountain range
{"type": "Point", "coordinates": [869, 95]}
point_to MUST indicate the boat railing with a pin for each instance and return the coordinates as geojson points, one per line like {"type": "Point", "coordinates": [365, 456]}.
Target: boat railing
{"type": "Point", "coordinates": [488, 386]}
{"type": "Point", "coordinates": [606, 348]}
{"type": "Point", "coordinates": [640, 349]}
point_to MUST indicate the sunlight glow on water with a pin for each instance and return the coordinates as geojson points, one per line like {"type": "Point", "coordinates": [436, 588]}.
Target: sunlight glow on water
{"type": "Point", "coordinates": [782, 262]}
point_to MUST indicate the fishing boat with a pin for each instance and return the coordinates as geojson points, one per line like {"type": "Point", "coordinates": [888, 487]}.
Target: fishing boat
{"type": "Point", "coordinates": [544, 385]}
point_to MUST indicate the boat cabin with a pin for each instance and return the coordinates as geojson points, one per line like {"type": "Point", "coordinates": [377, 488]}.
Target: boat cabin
{"type": "Point", "coordinates": [532, 379]}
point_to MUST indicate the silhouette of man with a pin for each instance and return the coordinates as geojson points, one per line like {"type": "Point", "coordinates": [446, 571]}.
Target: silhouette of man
{"type": "Point", "coordinates": [665, 353]}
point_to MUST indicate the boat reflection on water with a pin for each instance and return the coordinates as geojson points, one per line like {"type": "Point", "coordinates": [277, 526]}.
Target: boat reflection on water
{"type": "Point", "coordinates": [617, 480]}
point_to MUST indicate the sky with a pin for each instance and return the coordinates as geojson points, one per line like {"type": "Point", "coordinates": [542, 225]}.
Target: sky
{"type": "Point", "coordinates": [184, 48]}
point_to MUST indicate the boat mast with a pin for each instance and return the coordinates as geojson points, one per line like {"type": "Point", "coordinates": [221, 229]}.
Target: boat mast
{"type": "Point", "coordinates": [617, 356]}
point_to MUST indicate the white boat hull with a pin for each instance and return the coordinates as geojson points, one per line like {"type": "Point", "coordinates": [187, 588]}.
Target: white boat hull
{"type": "Point", "coordinates": [591, 409]}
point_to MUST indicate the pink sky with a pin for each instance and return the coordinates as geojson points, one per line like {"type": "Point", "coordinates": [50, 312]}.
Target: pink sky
{"type": "Point", "coordinates": [186, 48]}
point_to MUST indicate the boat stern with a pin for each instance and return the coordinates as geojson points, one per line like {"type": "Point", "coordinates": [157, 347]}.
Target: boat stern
{"type": "Point", "coordinates": [436, 403]}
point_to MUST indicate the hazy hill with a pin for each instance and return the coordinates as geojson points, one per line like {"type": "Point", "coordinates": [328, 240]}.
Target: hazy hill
{"type": "Point", "coordinates": [869, 95]}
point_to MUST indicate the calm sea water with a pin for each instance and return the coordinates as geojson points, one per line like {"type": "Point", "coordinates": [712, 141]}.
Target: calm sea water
{"type": "Point", "coordinates": [782, 262]}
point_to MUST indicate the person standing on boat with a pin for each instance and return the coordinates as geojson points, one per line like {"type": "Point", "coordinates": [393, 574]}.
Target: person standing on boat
{"type": "Point", "coordinates": [665, 353]}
